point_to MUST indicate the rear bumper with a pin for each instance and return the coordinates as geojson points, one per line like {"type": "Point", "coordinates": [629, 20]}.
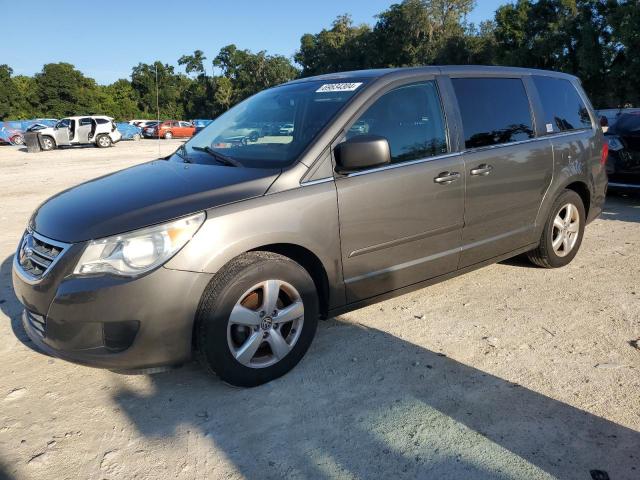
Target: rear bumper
{"type": "Point", "coordinates": [112, 322]}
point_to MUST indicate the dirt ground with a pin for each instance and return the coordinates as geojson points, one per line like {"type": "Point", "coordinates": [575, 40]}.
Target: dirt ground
{"type": "Point", "coordinates": [509, 372]}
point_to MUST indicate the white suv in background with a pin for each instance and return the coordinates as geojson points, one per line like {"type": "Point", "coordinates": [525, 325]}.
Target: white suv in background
{"type": "Point", "coordinates": [97, 129]}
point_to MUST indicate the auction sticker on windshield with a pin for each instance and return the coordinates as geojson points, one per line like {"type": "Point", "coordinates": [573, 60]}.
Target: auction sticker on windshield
{"type": "Point", "coordinates": [339, 87]}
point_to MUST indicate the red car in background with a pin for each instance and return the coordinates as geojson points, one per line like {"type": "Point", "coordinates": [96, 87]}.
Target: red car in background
{"type": "Point", "coordinates": [170, 129]}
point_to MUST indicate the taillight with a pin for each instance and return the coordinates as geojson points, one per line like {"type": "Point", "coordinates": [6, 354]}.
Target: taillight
{"type": "Point", "coordinates": [605, 153]}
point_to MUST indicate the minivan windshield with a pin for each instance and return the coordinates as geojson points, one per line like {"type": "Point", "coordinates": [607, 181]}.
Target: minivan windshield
{"type": "Point", "coordinates": [272, 128]}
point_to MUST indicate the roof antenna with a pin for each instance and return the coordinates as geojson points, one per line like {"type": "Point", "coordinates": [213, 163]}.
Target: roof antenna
{"type": "Point", "coordinates": [158, 109]}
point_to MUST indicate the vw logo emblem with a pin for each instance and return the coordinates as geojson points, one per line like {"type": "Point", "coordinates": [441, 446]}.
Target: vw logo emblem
{"type": "Point", "coordinates": [266, 324]}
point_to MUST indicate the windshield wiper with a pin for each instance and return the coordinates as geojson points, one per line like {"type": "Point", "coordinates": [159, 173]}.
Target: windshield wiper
{"type": "Point", "coordinates": [220, 157]}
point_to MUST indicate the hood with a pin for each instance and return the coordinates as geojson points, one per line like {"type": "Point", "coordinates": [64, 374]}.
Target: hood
{"type": "Point", "coordinates": [144, 195]}
{"type": "Point", "coordinates": [47, 131]}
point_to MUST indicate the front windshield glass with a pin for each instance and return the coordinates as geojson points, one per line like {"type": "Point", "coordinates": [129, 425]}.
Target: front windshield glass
{"type": "Point", "coordinates": [272, 128]}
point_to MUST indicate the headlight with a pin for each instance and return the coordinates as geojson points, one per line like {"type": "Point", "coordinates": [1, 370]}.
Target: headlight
{"type": "Point", "coordinates": [137, 252]}
{"type": "Point", "coordinates": [614, 143]}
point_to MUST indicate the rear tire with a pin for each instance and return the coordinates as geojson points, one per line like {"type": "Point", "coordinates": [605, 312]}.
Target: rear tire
{"type": "Point", "coordinates": [562, 234]}
{"type": "Point", "coordinates": [103, 141]}
{"type": "Point", "coordinates": [47, 143]}
{"type": "Point", "coordinates": [136, 137]}
{"type": "Point", "coordinates": [237, 338]}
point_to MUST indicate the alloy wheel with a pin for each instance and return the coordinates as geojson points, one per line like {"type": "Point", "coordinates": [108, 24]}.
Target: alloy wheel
{"type": "Point", "coordinates": [265, 324]}
{"type": "Point", "coordinates": [566, 229]}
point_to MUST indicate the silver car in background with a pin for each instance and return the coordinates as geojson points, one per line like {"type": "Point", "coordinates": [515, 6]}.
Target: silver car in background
{"type": "Point", "coordinates": [81, 130]}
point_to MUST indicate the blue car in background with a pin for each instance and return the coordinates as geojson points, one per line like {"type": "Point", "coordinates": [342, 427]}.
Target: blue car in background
{"type": "Point", "coordinates": [200, 124]}
{"type": "Point", "coordinates": [128, 131]}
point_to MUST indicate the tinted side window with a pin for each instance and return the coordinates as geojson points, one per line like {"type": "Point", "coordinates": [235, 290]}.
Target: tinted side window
{"type": "Point", "coordinates": [410, 118]}
{"type": "Point", "coordinates": [494, 110]}
{"type": "Point", "coordinates": [102, 121]}
{"type": "Point", "coordinates": [563, 108]}
{"type": "Point", "coordinates": [85, 121]}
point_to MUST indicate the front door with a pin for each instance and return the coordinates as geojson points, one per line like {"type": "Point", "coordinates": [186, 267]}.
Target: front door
{"type": "Point", "coordinates": [63, 131]}
{"type": "Point", "coordinates": [508, 169]}
{"type": "Point", "coordinates": [401, 224]}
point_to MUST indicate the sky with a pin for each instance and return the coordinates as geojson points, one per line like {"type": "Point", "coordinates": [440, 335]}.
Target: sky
{"type": "Point", "coordinates": [105, 41]}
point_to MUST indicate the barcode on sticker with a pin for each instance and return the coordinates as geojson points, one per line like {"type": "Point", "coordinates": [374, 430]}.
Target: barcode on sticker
{"type": "Point", "coordinates": [549, 127]}
{"type": "Point", "coordinates": [338, 87]}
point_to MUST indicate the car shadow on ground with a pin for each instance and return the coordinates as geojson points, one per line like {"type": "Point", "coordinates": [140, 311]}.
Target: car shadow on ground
{"type": "Point", "coordinates": [367, 404]}
{"type": "Point", "coordinates": [3, 473]}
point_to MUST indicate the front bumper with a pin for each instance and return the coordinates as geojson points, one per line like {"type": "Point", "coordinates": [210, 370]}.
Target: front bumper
{"type": "Point", "coordinates": [112, 322]}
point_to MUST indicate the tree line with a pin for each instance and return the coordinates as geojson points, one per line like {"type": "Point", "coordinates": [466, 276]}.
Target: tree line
{"type": "Point", "coordinates": [597, 40]}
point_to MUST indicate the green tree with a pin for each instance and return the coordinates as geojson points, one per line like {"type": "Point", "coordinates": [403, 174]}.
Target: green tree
{"type": "Point", "coordinates": [61, 90]}
{"type": "Point", "coordinates": [25, 106]}
{"type": "Point", "coordinates": [342, 47]}
{"type": "Point", "coordinates": [624, 19]}
{"type": "Point", "coordinates": [9, 94]}
{"type": "Point", "coordinates": [170, 89]}
{"type": "Point", "coordinates": [193, 63]}
{"type": "Point", "coordinates": [119, 100]}
{"type": "Point", "coordinates": [251, 72]}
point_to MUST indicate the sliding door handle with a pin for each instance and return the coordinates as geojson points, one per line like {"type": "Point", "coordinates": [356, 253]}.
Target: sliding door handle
{"type": "Point", "coordinates": [445, 178]}
{"type": "Point", "coordinates": [483, 169]}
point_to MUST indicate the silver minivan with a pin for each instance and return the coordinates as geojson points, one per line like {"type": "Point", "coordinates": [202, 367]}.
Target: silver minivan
{"type": "Point", "coordinates": [363, 186]}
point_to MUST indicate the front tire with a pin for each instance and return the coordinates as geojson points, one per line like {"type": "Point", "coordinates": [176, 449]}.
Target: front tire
{"type": "Point", "coordinates": [562, 233]}
{"type": "Point", "coordinates": [168, 136]}
{"type": "Point", "coordinates": [47, 143]}
{"type": "Point", "coordinates": [256, 319]}
{"type": "Point", "coordinates": [103, 141]}
{"type": "Point", "coordinates": [17, 140]}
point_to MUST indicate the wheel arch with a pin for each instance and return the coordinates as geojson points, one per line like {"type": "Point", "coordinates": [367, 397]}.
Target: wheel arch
{"type": "Point", "coordinates": [576, 184]}
{"type": "Point", "coordinates": [53, 139]}
{"type": "Point", "coordinates": [310, 262]}
{"type": "Point", "coordinates": [299, 254]}
{"type": "Point", "coordinates": [581, 189]}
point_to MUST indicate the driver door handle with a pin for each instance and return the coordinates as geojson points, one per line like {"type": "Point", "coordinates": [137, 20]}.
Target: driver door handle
{"type": "Point", "coordinates": [482, 169]}
{"type": "Point", "coordinates": [445, 178]}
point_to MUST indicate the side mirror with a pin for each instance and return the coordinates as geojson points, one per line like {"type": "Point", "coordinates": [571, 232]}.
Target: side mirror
{"type": "Point", "coordinates": [362, 151]}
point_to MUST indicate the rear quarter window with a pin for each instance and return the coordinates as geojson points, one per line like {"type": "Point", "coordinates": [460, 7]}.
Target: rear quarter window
{"type": "Point", "coordinates": [494, 111]}
{"type": "Point", "coordinates": [563, 108]}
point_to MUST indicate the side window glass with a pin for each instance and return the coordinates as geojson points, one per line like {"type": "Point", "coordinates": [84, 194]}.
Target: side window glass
{"type": "Point", "coordinates": [563, 108]}
{"type": "Point", "coordinates": [85, 121]}
{"type": "Point", "coordinates": [410, 118]}
{"type": "Point", "coordinates": [494, 110]}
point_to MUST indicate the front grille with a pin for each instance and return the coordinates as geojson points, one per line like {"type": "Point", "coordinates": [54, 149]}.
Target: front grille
{"type": "Point", "coordinates": [37, 322]}
{"type": "Point", "coordinates": [37, 254]}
